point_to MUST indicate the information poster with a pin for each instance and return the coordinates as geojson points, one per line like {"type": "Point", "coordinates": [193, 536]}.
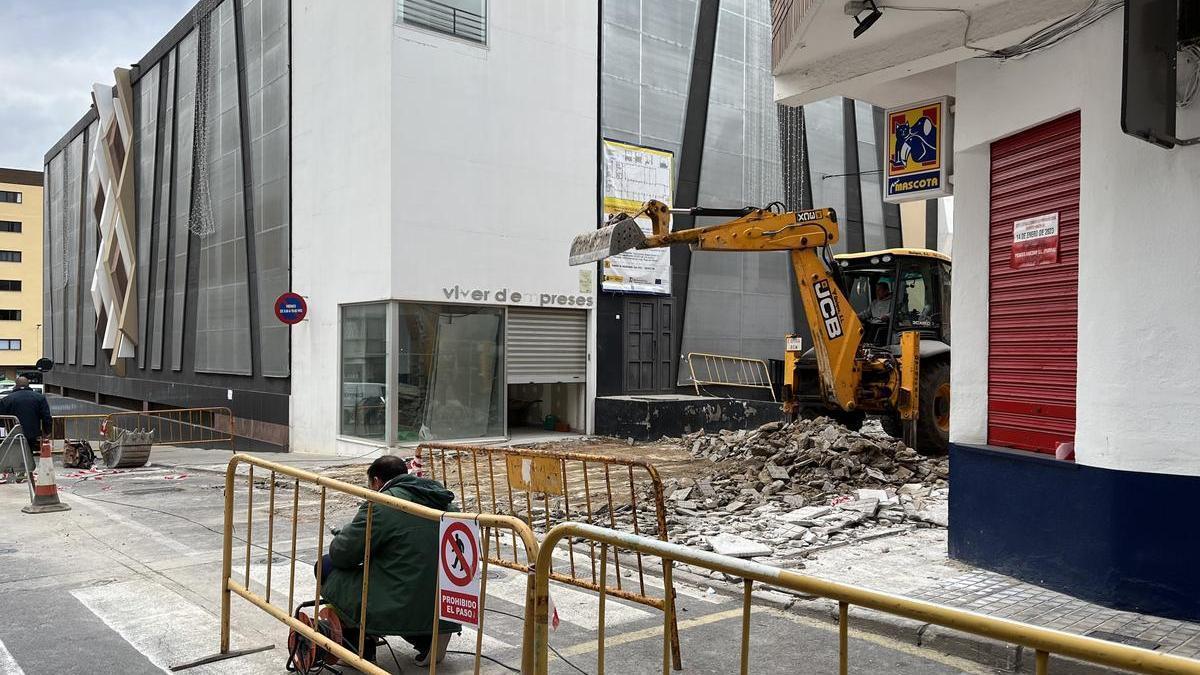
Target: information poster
{"type": "Point", "coordinates": [633, 175]}
{"type": "Point", "coordinates": [1035, 241]}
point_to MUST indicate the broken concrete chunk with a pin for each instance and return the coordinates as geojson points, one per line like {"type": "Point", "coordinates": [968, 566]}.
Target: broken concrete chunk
{"type": "Point", "coordinates": [867, 507]}
{"type": "Point", "coordinates": [737, 547]}
{"type": "Point", "coordinates": [778, 472]}
{"type": "Point", "coordinates": [681, 494]}
{"type": "Point", "coordinates": [880, 495]}
{"type": "Point", "coordinates": [806, 516]}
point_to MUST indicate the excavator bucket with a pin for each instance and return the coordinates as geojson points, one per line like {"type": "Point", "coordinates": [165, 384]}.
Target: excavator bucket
{"type": "Point", "coordinates": [624, 235]}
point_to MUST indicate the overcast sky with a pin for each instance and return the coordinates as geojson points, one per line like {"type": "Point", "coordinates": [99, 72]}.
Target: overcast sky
{"type": "Point", "coordinates": [51, 51]}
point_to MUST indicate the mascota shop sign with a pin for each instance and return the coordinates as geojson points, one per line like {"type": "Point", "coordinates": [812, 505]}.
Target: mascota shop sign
{"type": "Point", "coordinates": [290, 308]}
{"type": "Point", "coordinates": [1035, 241]}
{"type": "Point", "coordinates": [917, 153]}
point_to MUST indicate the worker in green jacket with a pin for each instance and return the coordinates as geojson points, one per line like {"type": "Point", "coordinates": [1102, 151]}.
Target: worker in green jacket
{"type": "Point", "coordinates": [404, 560]}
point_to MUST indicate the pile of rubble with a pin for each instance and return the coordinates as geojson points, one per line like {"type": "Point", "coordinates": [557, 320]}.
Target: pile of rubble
{"type": "Point", "coordinates": [784, 488]}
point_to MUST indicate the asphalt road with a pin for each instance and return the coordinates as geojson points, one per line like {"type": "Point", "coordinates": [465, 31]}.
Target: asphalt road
{"type": "Point", "coordinates": [128, 582]}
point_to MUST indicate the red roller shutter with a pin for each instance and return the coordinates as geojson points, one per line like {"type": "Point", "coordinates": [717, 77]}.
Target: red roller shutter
{"type": "Point", "coordinates": [1033, 312]}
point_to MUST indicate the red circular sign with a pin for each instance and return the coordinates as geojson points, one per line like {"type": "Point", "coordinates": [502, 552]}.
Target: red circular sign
{"type": "Point", "coordinates": [458, 564]}
{"type": "Point", "coordinates": [290, 308]}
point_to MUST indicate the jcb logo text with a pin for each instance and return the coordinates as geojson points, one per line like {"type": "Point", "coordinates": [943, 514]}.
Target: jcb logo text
{"type": "Point", "coordinates": [829, 309]}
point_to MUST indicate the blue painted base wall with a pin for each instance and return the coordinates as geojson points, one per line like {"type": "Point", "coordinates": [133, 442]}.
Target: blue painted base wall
{"type": "Point", "coordinates": [1123, 539]}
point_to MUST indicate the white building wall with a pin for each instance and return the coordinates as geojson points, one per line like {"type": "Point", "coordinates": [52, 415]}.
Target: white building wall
{"type": "Point", "coordinates": [427, 168]}
{"type": "Point", "coordinates": [494, 157]}
{"type": "Point", "coordinates": [1138, 408]}
{"type": "Point", "coordinates": [341, 192]}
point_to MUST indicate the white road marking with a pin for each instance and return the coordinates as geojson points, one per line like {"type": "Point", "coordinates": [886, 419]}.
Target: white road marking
{"type": "Point", "coordinates": [167, 628]}
{"type": "Point", "coordinates": [174, 545]}
{"type": "Point", "coordinates": [8, 665]}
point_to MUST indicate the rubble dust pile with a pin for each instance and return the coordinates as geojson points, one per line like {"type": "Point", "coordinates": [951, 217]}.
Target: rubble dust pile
{"type": "Point", "coordinates": [784, 488]}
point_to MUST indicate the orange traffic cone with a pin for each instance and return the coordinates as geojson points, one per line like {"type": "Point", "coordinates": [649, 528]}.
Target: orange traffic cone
{"type": "Point", "coordinates": [45, 491]}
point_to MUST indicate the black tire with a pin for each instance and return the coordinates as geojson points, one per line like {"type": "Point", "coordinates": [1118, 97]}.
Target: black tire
{"type": "Point", "coordinates": [933, 424]}
{"type": "Point", "coordinates": [892, 426]}
{"type": "Point", "coordinates": [851, 420]}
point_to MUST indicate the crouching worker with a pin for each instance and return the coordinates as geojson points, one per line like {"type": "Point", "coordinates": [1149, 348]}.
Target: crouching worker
{"type": "Point", "coordinates": [400, 599]}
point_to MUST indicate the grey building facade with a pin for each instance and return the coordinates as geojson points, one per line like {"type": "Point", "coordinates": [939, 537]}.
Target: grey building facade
{"type": "Point", "coordinates": [694, 77]}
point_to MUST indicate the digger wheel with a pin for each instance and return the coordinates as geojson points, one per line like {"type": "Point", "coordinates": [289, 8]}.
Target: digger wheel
{"type": "Point", "coordinates": [933, 424]}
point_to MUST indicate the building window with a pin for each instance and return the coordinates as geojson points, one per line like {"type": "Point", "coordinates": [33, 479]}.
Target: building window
{"type": "Point", "coordinates": [364, 370]}
{"type": "Point", "coordinates": [10, 197]}
{"type": "Point", "coordinates": [10, 256]}
{"type": "Point", "coordinates": [10, 315]}
{"type": "Point", "coordinates": [10, 226]}
{"type": "Point", "coordinates": [466, 19]}
{"type": "Point", "coordinates": [448, 378]}
{"type": "Point", "coordinates": [10, 284]}
{"type": "Point", "coordinates": [449, 362]}
{"type": "Point", "coordinates": [10, 345]}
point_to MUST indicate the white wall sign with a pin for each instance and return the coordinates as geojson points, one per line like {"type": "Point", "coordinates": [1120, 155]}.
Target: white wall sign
{"type": "Point", "coordinates": [633, 175]}
{"type": "Point", "coordinates": [1035, 241]}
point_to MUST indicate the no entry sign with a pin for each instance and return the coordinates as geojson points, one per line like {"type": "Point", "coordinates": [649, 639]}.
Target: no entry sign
{"type": "Point", "coordinates": [290, 308]}
{"type": "Point", "coordinates": [458, 571]}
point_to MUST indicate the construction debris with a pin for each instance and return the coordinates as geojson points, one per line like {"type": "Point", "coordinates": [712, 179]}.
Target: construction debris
{"type": "Point", "coordinates": [799, 487]}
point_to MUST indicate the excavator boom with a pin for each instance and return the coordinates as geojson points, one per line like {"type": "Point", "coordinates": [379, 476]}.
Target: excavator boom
{"type": "Point", "coordinates": [835, 327]}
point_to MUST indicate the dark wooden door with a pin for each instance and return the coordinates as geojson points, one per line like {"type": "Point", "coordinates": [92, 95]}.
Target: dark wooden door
{"type": "Point", "coordinates": [649, 343]}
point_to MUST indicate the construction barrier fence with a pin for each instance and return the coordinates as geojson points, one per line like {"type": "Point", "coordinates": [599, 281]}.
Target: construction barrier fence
{"type": "Point", "coordinates": [729, 371]}
{"type": "Point", "coordinates": [1045, 642]}
{"type": "Point", "coordinates": [178, 426]}
{"type": "Point", "coordinates": [544, 488]}
{"type": "Point", "coordinates": [239, 582]}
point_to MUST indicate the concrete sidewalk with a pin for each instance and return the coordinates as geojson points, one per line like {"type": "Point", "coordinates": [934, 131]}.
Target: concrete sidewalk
{"type": "Point", "coordinates": [916, 565]}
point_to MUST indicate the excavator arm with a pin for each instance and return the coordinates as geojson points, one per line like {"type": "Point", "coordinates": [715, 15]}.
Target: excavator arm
{"type": "Point", "coordinates": [806, 235]}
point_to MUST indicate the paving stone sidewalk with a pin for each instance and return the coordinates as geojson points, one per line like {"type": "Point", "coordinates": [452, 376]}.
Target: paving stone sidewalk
{"type": "Point", "coordinates": [1000, 596]}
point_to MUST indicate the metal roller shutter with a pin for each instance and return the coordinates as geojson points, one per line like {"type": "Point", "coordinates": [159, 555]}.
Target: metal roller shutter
{"type": "Point", "coordinates": [1032, 312]}
{"type": "Point", "coordinates": [546, 345]}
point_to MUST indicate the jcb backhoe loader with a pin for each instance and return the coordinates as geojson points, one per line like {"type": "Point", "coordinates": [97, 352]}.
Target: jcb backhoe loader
{"type": "Point", "coordinates": [882, 350]}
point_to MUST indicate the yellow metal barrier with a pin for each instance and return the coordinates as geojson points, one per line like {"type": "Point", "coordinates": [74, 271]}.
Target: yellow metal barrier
{"type": "Point", "coordinates": [178, 426]}
{"type": "Point", "coordinates": [517, 481]}
{"type": "Point", "coordinates": [730, 371]}
{"type": "Point", "coordinates": [230, 586]}
{"type": "Point", "coordinates": [1042, 640]}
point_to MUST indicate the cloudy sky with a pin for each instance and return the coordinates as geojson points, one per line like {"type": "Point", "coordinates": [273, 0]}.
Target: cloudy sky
{"type": "Point", "coordinates": [52, 52]}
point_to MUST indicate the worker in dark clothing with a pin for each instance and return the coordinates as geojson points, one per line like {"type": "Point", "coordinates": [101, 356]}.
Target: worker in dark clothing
{"type": "Point", "coordinates": [31, 409]}
{"type": "Point", "coordinates": [404, 564]}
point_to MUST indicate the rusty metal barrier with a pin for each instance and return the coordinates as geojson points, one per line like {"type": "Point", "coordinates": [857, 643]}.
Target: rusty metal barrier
{"type": "Point", "coordinates": [177, 426]}
{"type": "Point", "coordinates": [541, 488]}
{"type": "Point", "coordinates": [1043, 641]}
{"type": "Point", "coordinates": [83, 426]}
{"type": "Point", "coordinates": [270, 472]}
{"type": "Point", "coordinates": [729, 371]}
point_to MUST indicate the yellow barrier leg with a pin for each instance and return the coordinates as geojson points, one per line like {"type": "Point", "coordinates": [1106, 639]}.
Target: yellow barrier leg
{"type": "Point", "coordinates": [227, 560]}
{"type": "Point", "coordinates": [603, 595]}
{"type": "Point", "coordinates": [843, 638]}
{"type": "Point", "coordinates": [668, 618]}
{"type": "Point", "coordinates": [747, 584]}
{"type": "Point", "coordinates": [1042, 662]}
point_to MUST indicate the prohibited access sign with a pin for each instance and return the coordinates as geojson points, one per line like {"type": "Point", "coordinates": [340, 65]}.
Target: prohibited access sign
{"type": "Point", "coordinates": [458, 571]}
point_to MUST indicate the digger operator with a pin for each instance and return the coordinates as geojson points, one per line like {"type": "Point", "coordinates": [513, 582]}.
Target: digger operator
{"type": "Point", "coordinates": [404, 572]}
